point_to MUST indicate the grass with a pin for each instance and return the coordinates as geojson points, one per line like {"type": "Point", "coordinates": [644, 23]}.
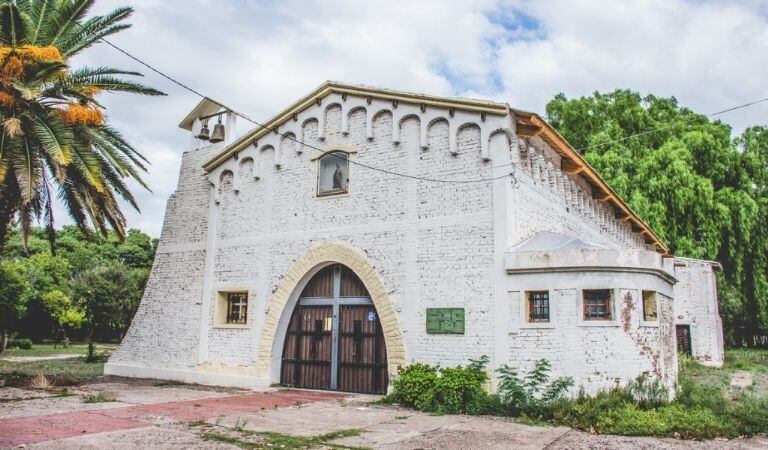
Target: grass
{"type": "Point", "coordinates": [169, 383]}
{"type": "Point", "coordinates": [746, 360]}
{"type": "Point", "coordinates": [100, 397]}
{"type": "Point", "coordinates": [49, 350]}
{"type": "Point", "coordinates": [271, 440]}
{"type": "Point", "coordinates": [61, 371]}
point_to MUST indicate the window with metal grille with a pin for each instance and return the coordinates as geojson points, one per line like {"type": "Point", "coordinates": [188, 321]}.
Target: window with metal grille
{"type": "Point", "coordinates": [538, 306]}
{"type": "Point", "coordinates": [597, 304]}
{"type": "Point", "coordinates": [237, 307]}
{"type": "Point", "coordinates": [650, 311]}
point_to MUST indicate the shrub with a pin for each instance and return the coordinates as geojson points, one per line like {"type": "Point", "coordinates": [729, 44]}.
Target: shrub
{"type": "Point", "coordinates": [532, 394]}
{"type": "Point", "coordinates": [751, 414]}
{"type": "Point", "coordinates": [630, 421]}
{"type": "Point", "coordinates": [696, 395]}
{"type": "Point", "coordinates": [444, 390]}
{"type": "Point", "coordinates": [648, 394]}
{"type": "Point", "coordinates": [695, 423]}
{"type": "Point", "coordinates": [22, 343]}
{"type": "Point", "coordinates": [584, 412]}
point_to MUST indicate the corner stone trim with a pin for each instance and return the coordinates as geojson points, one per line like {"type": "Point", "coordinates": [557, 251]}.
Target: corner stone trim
{"type": "Point", "coordinates": [356, 260]}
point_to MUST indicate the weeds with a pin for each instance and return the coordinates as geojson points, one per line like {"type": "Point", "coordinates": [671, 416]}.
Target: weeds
{"type": "Point", "coordinates": [169, 383]}
{"type": "Point", "coordinates": [267, 439]}
{"type": "Point", "coordinates": [703, 408]}
{"type": "Point", "coordinates": [100, 397]}
{"type": "Point", "coordinates": [40, 381]}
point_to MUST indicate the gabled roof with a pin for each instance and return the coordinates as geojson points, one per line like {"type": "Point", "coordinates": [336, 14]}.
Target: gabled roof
{"type": "Point", "coordinates": [333, 86]}
{"type": "Point", "coordinates": [204, 108]}
{"type": "Point", "coordinates": [528, 124]}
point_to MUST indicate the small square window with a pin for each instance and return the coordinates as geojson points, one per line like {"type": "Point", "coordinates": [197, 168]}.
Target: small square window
{"type": "Point", "coordinates": [538, 306]}
{"type": "Point", "coordinates": [597, 304]}
{"type": "Point", "coordinates": [237, 308]}
{"type": "Point", "coordinates": [333, 174]}
{"type": "Point", "coordinates": [650, 310]}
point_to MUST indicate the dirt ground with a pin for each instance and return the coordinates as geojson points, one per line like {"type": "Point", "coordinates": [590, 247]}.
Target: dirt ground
{"type": "Point", "coordinates": [153, 414]}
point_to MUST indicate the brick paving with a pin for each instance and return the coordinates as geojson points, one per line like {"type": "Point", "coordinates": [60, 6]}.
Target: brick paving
{"type": "Point", "coordinates": [27, 430]}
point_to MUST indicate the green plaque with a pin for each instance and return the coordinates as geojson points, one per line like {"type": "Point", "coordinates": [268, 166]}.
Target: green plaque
{"type": "Point", "coordinates": [445, 320]}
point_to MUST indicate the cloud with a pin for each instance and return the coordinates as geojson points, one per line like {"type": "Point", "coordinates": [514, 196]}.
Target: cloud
{"type": "Point", "coordinates": [259, 56]}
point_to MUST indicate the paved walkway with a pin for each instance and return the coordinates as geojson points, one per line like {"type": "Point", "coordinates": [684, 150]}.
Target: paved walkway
{"type": "Point", "coordinates": [26, 430]}
{"type": "Point", "coordinates": [37, 358]}
{"type": "Point", "coordinates": [151, 414]}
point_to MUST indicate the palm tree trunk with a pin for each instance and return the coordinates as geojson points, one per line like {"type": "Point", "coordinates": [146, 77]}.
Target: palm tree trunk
{"type": "Point", "coordinates": [90, 345]}
{"type": "Point", "coordinates": [3, 340]}
{"type": "Point", "coordinates": [7, 211]}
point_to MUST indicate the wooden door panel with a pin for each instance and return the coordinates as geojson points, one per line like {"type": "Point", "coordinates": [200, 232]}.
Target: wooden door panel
{"type": "Point", "coordinates": [308, 348]}
{"type": "Point", "coordinates": [362, 354]}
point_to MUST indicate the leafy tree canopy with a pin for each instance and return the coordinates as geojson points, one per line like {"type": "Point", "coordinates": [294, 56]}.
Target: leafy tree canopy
{"type": "Point", "coordinates": [702, 190]}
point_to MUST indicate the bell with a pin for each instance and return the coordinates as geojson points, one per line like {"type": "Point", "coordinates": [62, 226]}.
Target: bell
{"type": "Point", "coordinates": [204, 134]}
{"type": "Point", "coordinates": [218, 132]}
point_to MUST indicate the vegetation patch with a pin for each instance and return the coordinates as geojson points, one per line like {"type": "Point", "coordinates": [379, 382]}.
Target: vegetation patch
{"type": "Point", "coordinates": [169, 383]}
{"type": "Point", "coordinates": [705, 407]}
{"type": "Point", "coordinates": [63, 372]}
{"type": "Point", "coordinates": [100, 397]}
{"type": "Point", "coordinates": [271, 440]}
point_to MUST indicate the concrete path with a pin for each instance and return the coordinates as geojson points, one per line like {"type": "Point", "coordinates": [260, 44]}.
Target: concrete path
{"type": "Point", "coordinates": [37, 358]}
{"type": "Point", "coordinates": [148, 414]}
{"type": "Point", "coordinates": [37, 428]}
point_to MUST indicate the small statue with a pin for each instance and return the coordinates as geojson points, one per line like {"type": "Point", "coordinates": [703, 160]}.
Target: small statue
{"type": "Point", "coordinates": [337, 177]}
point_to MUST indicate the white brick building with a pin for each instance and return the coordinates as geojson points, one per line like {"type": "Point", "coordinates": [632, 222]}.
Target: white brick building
{"type": "Point", "coordinates": [321, 265]}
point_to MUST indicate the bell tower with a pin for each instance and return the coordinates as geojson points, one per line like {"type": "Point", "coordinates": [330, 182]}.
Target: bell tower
{"type": "Point", "coordinates": [209, 123]}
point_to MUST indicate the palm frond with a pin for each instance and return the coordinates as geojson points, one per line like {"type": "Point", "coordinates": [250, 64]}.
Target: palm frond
{"type": "Point", "coordinates": [112, 84]}
{"type": "Point", "coordinates": [94, 29]}
{"type": "Point", "coordinates": [38, 12]}
{"type": "Point", "coordinates": [13, 25]}
{"type": "Point", "coordinates": [28, 171]}
{"type": "Point", "coordinates": [54, 136]}
{"type": "Point", "coordinates": [65, 17]}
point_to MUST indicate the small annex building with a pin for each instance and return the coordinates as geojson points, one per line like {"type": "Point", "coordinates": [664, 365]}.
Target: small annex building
{"type": "Point", "coordinates": [363, 229]}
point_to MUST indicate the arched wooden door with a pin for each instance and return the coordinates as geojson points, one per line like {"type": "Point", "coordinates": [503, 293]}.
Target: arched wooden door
{"type": "Point", "coordinates": [334, 339]}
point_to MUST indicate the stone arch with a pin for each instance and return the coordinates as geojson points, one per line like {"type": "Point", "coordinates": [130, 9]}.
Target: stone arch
{"type": "Point", "coordinates": [461, 136]}
{"type": "Point", "coordinates": [309, 126]}
{"type": "Point", "coordinates": [346, 127]}
{"type": "Point", "coordinates": [226, 181]}
{"type": "Point", "coordinates": [262, 164]}
{"type": "Point", "coordinates": [399, 125]}
{"type": "Point", "coordinates": [288, 289]}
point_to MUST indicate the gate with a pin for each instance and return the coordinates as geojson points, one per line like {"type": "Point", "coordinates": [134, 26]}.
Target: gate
{"type": "Point", "coordinates": [334, 339]}
{"type": "Point", "coordinates": [683, 338]}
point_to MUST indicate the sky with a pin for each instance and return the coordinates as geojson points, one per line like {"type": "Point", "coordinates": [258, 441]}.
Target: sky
{"type": "Point", "coordinates": [259, 56]}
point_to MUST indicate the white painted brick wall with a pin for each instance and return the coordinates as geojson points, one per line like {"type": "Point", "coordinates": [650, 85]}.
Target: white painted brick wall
{"type": "Point", "coordinates": [431, 243]}
{"type": "Point", "coordinates": [696, 305]}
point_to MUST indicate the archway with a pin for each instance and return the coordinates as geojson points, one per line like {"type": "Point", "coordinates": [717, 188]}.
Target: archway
{"type": "Point", "coordinates": [334, 339]}
{"type": "Point", "coordinates": [287, 292]}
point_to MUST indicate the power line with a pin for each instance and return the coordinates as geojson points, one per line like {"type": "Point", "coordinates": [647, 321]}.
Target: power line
{"type": "Point", "coordinates": [643, 133]}
{"type": "Point", "coordinates": [285, 135]}
{"type": "Point", "coordinates": [288, 136]}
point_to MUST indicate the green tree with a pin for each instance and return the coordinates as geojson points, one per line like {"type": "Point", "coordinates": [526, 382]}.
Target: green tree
{"type": "Point", "coordinates": [54, 133]}
{"type": "Point", "coordinates": [64, 312]}
{"type": "Point", "coordinates": [108, 295]}
{"type": "Point", "coordinates": [12, 301]}
{"type": "Point", "coordinates": [702, 191]}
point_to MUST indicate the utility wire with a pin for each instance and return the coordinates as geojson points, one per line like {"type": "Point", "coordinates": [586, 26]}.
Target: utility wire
{"type": "Point", "coordinates": [288, 136]}
{"type": "Point", "coordinates": [285, 135]}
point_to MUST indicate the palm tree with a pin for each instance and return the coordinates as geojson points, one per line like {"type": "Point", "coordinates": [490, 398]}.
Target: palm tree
{"type": "Point", "coordinates": [54, 140]}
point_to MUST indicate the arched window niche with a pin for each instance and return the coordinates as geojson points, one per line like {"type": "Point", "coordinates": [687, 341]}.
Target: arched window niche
{"type": "Point", "coordinates": [333, 174]}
